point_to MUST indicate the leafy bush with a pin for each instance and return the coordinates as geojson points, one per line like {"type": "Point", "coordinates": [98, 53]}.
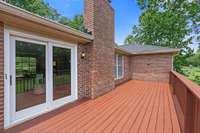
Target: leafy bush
{"type": "Point", "coordinates": [193, 73]}
{"type": "Point", "coordinates": [194, 60]}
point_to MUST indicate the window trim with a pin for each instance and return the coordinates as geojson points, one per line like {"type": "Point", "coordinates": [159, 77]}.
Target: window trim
{"type": "Point", "coordinates": [116, 67]}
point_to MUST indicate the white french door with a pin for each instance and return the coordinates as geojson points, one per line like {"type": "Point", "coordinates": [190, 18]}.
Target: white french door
{"type": "Point", "coordinates": [42, 77]}
{"type": "Point", "coordinates": [63, 75]}
{"type": "Point", "coordinates": [28, 88]}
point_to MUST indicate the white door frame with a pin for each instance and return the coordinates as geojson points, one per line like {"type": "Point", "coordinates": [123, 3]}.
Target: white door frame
{"type": "Point", "coordinates": [50, 105]}
{"type": "Point", "coordinates": [31, 111]}
{"type": "Point", "coordinates": [59, 102]}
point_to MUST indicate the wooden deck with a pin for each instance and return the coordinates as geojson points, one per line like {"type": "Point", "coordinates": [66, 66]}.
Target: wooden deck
{"type": "Point", "coordinates": [133, 107]}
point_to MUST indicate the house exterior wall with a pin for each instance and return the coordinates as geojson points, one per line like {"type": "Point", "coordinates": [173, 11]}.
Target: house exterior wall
{"type": "Point", "coordinates": [155, 67]}
{"type": "Point", "coordinates": [99, 19]}
{"type": "Point", "coordinates": [84, 65]}
{"type": "Point", "coordinates": [127, 71]}
{"type": "Point", "coordinates": [1, 76]}
{"type": "Point", "coordinates": [96, 70]}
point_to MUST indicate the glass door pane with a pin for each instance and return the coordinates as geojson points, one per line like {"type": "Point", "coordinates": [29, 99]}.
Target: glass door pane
{"type": "Point", "coordinates": [30, 75]}
{"type": "Point", "coordinates": [61, 72]}
{"type": "Point", "coordinates": [120, 66]}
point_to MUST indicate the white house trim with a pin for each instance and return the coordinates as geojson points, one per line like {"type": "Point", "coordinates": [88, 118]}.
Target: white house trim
{"type": "Point", "coordinates": [49, 43]}
{"type": "Point", "coordinates": [6, 78]}
{"type": "Point", "coordinates": [116, 65]}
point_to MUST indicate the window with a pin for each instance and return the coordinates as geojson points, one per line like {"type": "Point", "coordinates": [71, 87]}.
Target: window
{"type": "Point", "coordinates": [119, 66]}
{"type": "Point", "coordinates": [30, 74]}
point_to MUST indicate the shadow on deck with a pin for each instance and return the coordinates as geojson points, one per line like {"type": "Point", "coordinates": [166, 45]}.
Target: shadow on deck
{"type": "Point", "coordinates": [135, 107]}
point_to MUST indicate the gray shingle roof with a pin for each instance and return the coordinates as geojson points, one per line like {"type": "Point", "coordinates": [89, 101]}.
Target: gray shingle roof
{"type": "Point", "coordinates": [139, 49]}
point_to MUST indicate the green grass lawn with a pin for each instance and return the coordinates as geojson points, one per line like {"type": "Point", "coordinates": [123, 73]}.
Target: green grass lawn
{"type": "Point", "coordinates": [193, 73]}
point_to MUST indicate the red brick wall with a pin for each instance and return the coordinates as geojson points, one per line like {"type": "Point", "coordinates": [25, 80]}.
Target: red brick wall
{"type": "Point", "coordinates": [151, 67]}
{"type": "Point", "coordinates": [127, 71]}
{"type": "Point", "coordinates": [84, 65]}
{"type": "Point", "coordinates": [99, 19]}
{"type": "Point", "coordinates": [1, 76]}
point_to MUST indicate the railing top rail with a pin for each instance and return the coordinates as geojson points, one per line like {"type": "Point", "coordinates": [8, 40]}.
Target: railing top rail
{"type": "Point", "coordinates": [192, 87]}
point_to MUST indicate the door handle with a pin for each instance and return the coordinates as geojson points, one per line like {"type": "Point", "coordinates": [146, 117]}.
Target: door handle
{"type": "Point", "coordinates": [10, 80]}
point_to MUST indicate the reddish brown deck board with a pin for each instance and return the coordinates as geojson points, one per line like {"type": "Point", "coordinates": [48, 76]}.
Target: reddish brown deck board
{"type": "Point", "coordinates": [99, 121]}
{"type": "Point", "coordinates": [174, 119]}
{"type": "Point", "coordinates": [96, 114]}
{"type": "Point", "coordinates": [153, 118]}
{"type": "Point", "coordinates": [123, 117]}
{"type": "Point", "coordinates": [160, 119]}
{"type": "Point", "coordinates": [110, 123]}
{"type": "Point", "coordinates": [167, 115]}
{"type": "Point", "coordinates": [134, 115]}
{"type": "Point", "coordinates": [140, 120]}
{"type": "Point", "coordinates": [144, 125]}
{"type": "Point", "coordinates": [133, 107]}
{"type": "Point", "coordinates": [81, 116]}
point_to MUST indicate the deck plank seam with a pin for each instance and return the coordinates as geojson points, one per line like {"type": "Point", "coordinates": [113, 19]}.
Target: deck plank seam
{"type": "Point", "coordinates": [132, 98]}
{"type": "Point", "coordinates": [148, 118]}
{"type": "Point", "coordinates": [136, 103]}
{"type": "Point", "coordinates": [149, 101]}
{"type": "Point", "coordinates": [135, 113]}
{"type": "Point", "coordinates": [101, 111]}
{"type": "Point", "coordinates": [75, 121]}
{"type": "Point", "coordinates": [88, 109]}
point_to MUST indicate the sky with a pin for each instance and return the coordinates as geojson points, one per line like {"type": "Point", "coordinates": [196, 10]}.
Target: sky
{"type": "Point", "coordinates": [126, 14]}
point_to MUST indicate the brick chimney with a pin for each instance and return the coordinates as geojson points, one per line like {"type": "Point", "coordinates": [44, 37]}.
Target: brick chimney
{"type": "Point", "coordinates": [99, 19]}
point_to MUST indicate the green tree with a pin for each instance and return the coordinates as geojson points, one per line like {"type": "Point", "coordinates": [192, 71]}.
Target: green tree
{"type": "Point", "coordinates": [36, 6]}
{"type": "Point", "coordinates": [194, 60]}
{"type": "Point", "coordinates": [162, 29]}
{"type": "Point", "coordinates": [132, 38]}
{"type": "Point", "coordinates": [129, 40]}
{"type": "Point", "coordinates": [43, 9]}
{"type": "Point", "coordinates": [181, 59]}
{"type": "Point", "coordinates": [77, 22]}
{"type": "Point", "coordinates": [168, 23]}
{"type": "Point", "coordinates": [199, 48]}
{"type": "Point", "coordinates": [64, 20]}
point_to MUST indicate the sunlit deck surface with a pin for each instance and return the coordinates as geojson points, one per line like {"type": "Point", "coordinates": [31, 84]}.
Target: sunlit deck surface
{"type": "Point", "coordinates": [133, 107]}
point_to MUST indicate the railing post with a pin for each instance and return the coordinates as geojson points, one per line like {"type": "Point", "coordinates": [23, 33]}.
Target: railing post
{"type": "Point", "coordinates": [188, 94]}
{"type": "Point", "coordinates": [197, 116]}
{"type": "Point", "coordinates": [189, 113]}
{"type": "Point", "coordinates": [172, 83]}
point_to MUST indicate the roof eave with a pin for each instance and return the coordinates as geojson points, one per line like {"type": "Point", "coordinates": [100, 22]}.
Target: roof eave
{"type": "Point", "coordinates": [23, 14]}
{"type": "Point", "coordinates": [122, 51]}
{"type": "Point", "coordinates": [173, 51]}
